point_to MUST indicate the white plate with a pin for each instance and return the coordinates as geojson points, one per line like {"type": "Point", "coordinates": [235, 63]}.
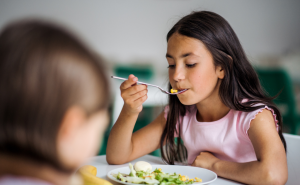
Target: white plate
{"type": "Point", "coordinates": [207, 176]}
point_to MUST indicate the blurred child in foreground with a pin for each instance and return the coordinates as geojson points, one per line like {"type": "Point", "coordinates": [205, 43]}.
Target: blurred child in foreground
{"type": "Point", "coordinates": [53, 104]}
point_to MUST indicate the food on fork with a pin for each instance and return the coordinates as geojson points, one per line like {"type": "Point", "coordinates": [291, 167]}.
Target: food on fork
{"type": "Point", "coordinates": [174, 91]}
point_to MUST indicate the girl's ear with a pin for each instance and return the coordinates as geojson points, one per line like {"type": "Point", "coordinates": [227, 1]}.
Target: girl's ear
{"type": "Point", "coordinates": [220, 72]}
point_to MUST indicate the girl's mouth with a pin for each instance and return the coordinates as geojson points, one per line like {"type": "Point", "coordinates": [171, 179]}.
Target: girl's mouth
{"type": "Point", "coordinates": [183, 90]}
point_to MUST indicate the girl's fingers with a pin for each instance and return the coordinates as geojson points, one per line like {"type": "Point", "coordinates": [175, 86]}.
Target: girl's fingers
{"type": "Point", "coordinates": [136, 89]}
{"type": "Point", "coordinates": [133, 95]}
{"type": "Point", "coordinates": [139, 94]}
{"type": "Point", "coordinates": [141, 100]}
{"type": "Point", "coordinates": [132, 98]}
{"type": "Point", "coordinates": [132, 90]}
{"type": "Point", "coordinates": [138, 102]}
{"type": "Point", "coordinates": [128, 83]}
{"type": "Point", "coordinates": [135, 105]}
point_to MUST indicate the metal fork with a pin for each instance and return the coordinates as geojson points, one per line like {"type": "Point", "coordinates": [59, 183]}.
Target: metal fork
{"type": "Point", "coordinates": [138, 82]}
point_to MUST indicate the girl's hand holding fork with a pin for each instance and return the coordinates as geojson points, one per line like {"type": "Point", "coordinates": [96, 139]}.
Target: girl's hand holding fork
{"type": "Point", "coordinates": [134, 95]}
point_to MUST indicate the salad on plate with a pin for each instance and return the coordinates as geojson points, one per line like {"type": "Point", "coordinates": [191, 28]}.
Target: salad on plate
{"type": "Point", "coordinates": [141, 173]}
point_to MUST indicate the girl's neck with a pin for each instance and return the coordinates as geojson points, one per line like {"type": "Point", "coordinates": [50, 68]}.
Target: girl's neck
{"type": "Point", "coordinates": [211, 110]}
{"type": "Point", "coordinates": [25, 168]}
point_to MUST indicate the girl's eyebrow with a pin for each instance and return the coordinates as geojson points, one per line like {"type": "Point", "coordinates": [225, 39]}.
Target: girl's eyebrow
{"type": "Point", "coordinates": [182, 56]}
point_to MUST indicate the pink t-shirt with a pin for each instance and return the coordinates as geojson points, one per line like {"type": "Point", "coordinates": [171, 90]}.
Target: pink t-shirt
{"type": "Point", "coordinates": [227, 138]}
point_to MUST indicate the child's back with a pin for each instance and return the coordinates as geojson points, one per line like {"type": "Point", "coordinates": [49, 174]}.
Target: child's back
{"type": "Point", "coordinates": [52, 103]}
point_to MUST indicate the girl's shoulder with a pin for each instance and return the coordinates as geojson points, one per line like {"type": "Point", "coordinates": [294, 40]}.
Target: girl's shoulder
{"type": "Point", "coordinates": [244, 118]}
{"type": "Point", "coordinates": [260, 107]}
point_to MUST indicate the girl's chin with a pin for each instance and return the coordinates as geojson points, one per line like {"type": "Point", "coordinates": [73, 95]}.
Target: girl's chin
{"type": "Point", "coordinates": [187, 101]}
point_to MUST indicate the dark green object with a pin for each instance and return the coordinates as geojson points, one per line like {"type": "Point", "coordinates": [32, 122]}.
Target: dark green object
{"type": "Point", "coordinates": [145, 117]}
{"type": "Point", "coordinates": [143, 72]}
{"type": "Point", "coordinates": [102, 150]}
{"type": "Point", "coordinates": [277, 81]}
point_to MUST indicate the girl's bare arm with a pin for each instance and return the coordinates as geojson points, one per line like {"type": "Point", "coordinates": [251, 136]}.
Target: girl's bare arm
{"type": "Point", "coordinates": [123, 145]}
{"type": "Point", "coordinates": [271, 164]}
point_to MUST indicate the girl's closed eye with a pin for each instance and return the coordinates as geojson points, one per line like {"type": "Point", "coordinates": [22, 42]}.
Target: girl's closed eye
{"type": "Point", "coordinates": [187, 65]}
{"type": "Point", "coordinates": [190, 65]}
{"type": "Point", "coordinates": [171, 66]}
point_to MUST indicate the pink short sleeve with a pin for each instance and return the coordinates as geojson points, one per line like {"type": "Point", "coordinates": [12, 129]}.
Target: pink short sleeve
{"type": "Point", "coordinates": [252, 115]}
{"type": "Point", "coordinates": [166, 111]}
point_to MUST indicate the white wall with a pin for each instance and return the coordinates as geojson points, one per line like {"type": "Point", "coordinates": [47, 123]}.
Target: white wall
{"type": "Point", "coordinates": [130, 30]}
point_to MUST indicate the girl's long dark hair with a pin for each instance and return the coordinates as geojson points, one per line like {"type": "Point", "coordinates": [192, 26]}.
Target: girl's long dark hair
{"type": "Point", "coordinates": [240, 81]}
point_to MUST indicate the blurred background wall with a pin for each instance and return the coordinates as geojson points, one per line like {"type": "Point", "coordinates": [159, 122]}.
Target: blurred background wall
{"type": "Point", "coordinates": [127, 32]}
{"type": "Point", "coordinates": [134, 30]}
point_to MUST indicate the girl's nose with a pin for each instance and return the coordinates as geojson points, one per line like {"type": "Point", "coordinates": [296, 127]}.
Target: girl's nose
{"type": "Point", "coordinates": [179, 74]}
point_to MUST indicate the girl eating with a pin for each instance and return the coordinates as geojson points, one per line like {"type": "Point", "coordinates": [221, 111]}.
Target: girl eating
{"type": "Point", "coordinates": [225, 120]}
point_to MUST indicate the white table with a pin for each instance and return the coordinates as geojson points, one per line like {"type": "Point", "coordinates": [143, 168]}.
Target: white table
{"type": "Point", "coordinates": [103, 168]}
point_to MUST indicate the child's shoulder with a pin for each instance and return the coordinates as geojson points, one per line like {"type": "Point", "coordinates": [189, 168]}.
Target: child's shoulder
{"type": "Point", "coordinates": [244, 119]}
{"type": "Point", "coordinates": [252, 114]}
{"type": "Point", "coordinates": [260, 107]}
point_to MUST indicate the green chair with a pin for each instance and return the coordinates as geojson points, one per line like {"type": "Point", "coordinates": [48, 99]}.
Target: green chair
{"type": "Point", "coordinates": [276, 81]}
{"type": "Point", "coordinates": [102, 150]}
{"type": "Point", "coordinates": [145, 117]}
